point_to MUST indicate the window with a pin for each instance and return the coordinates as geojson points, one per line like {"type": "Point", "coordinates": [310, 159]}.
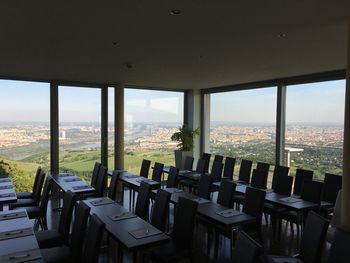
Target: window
{"type": "Point", "coordinates": [151, 117]}
{"type": "Point", "coordinates": [314, 127]}
{"type": "Point", "coordinates": [111, 128]}
{"type": "Point", "coordinates": [243, 124]}
{"type": "Point", "coordinates": [24, 130]}
{"type": "Point", "coordinates": [79, 129]}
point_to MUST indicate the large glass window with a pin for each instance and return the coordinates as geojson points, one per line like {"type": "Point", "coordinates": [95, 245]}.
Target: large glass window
{"type": "Point", "coordinates": [24, 130]}
{"type": "Point", "coordinates": [111, 128]}
{"type": "Point", "coordinates": [79, 129]}
{"type": "Point", "coordinates": [314, 127]}
{"type": "Point", "coordinates": [151, 117]}
{"type": "Point", "coordinates": [243, 124]}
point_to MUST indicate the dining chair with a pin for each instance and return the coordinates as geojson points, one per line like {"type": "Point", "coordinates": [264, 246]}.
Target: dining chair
{"type": "Point", "coordinates": [95, 173]}
{"type": "Point", "coordinates": [161, 209]}
{"type": "Point", "coordinates": [144, 170]}
{"type": "Point", "coordinates": [142, 201]}
{"type": "Point", "coordinates": [204, 186]}
{"type": "Point", "coordinates": [244, 171]}
{"type": "Point", "coordinates": [259, 179]}
{"type": "Point", "coordinates": [73, 251]}
{"type": "Point", "coordinates": [246, 249]}
{"type": "Point", "coordinates": [172, 177]}
{"type": "Point", "coordinates": [180, 245]}
{"type": "Point", "coordinates": [218, 158]}
{"type": "Point", "coordinates": [60, 236]}
{"type": "Point", "coordinates": [30, 195]}
{"type": "Point", "coordinates": [340, 247]}
{"type": "Point", "coordinates": [332, 185]}
{"type": "Point", "coordinates": [112, 191]}
{"type": "Point", "coordinates": [216, 171]}
{"type": "Point", "coordinates": [206, 157]}
{"type": "Point", "coordinates": [229, 167]}
{"type": "Point", "coordinates": [263, 166]}
{"type": "Point", "coordinates": [300, 176]}
{"type": "Point", "coordinates": [277, 172]}
{"type": "Point", "coordinates": [157, 172]}
{"type": "Point", "coordinates": [225, 196]}
{"type": "Point", "coordinates": [188, 163]}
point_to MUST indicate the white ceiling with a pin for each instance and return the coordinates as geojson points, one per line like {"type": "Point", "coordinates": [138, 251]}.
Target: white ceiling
{"type": "Point", "coordinates": [212, 43]}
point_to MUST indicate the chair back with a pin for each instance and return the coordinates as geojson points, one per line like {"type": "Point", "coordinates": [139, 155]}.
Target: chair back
{"type": "Point", "coordinates": [332, 185]}
{"type": "Point", "coordinates": [201, 164]}
{"type": "Point", "coordinates": [36, 179]}
{"type": "Point", "coordinates": [79, 230]}
{"type": "Point", "coordinates": [93, 240]}
{"type": "Point", "coordinates": [157, 172]}
{"type": "Point", "coordinates": [253, 203]}
{"type": "Point", "coordinates": [218, 158]}
{"type": "Point", "coordinates": [279, 171]}
{"type": "Point", "coordinates": [206, 157]}
{"type": "Point", "coordinates": [263, 166]}
{"type": "Point", "coordinates": [112, 191]}
{"type": "Point", "coordinates": [184, 223]}
{"type": "Point", "coordinates": [101, 181]}
{"type": "Point", "coordinates": [94, 175]}
{"type": "Point", "coordinates": [340, 248]}
{"type": "Point", "coordinates": [245, 170]}
{"type": "Point", "coordinates": [204, 186]}
{"type": "Point", "coordinates": [247, 250]}
{"type": "Point", "coordinates": [69, 200]}
{"type": "Point", "coordinates": [160, 209]}
{"type": "Point", "coordinates": [172, 177]}
{"type": "Point", "coordinates": [300, 176]}
{"type": "Point", "coordinates": [39, 186]}
{"type": "Point", "coordinates": [45, 196]}
{"type": "Point", "coordinates": [313, 237]}
{"type": "Point", "coordinates": [226, 193]}
{"type": "Point", "coordinates": [229, 167]}
{"type": "Point", "coordinates": [142, 201]}
{"type": "Point", "coordinates": [259, 179]}
{"type": "Point", "coordinates": [145, 168]}
{"type": "Point", "coordinates": [312, 191]}
{"type": "Point", "coordinates": [284, 185]}
{"type": "Point", "coordinates": [188, 163]}
{"type": "Point", "coordinates": [216, 171]}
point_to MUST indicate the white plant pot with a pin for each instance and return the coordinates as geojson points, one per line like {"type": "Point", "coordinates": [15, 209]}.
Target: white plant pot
{"type": "Point", "coordinates": [180, 157]}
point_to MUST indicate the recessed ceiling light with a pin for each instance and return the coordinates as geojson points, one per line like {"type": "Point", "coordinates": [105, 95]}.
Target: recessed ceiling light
{"type": "Point", "coordinates": [281, 35]}
{"type": "Point", "coordinates": [115, 43]}
{"type": "Point", "coordinates": [175, 12]}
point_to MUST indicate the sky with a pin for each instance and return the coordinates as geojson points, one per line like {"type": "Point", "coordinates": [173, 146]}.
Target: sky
{"type": "Point", "coordinates": [30, 101]}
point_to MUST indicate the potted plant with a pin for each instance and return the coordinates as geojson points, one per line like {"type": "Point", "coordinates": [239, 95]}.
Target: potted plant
{"type": "Point", "coordinates": [184, 136]}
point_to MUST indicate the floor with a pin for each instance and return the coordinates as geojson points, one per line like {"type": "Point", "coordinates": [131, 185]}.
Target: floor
{"type": "Point", "coordinates": [286, 246]}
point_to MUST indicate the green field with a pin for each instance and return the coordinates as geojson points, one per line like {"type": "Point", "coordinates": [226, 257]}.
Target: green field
{"type": "Point", "coordinates": [79, 162]}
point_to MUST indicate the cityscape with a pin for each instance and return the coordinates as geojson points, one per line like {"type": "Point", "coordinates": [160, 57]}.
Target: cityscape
{"type": "Point", "coordinates": [27, 144]}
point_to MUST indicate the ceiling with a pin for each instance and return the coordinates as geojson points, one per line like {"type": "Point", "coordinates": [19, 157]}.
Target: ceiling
{"type": "Point", "coordinates": [139, 43]}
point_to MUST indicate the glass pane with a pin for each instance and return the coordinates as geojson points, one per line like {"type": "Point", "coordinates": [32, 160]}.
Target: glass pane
{"type": "Point", "coordinates": [79, 129]}
{"type": "Point", "coordinates": [151, 117]}
{"type": "Point", "coordinates": [243, 124]}
{"type": "Point", "coordinates": [24, 130]}
{"type": "Point", "coordinates": [315, 126]}
{"type": "Point", "coordinates": [111, 128]}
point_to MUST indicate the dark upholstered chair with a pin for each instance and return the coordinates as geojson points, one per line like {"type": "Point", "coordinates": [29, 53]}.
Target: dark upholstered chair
{"type": "Point", "coordinates": [160, 209]}
{"type": "Point", "coordinates": [340, 248]}
{"type": "Point", "coordinates": [216, 171]}
{"type": "Point", "coordinates": [226, 191]}
{"type": "Point", "coordinates": [39, 212]}
{"type": "Point", "coordinates": [312, 240]}
{"type": "Point", "coordinates": [229, 167]}
{"type": "Point", "coordinates": [188, 163]}
{"type": "Point", "coordinates": [180, 246]}
{"type": "Point", "coordinates": [73, 252]}
{"type": "Point", "coordinates": [26, 195]}
{"type": "Point", "coordinates": [60, 236]}
{"type": "Point", "coordinates": [279, 171]}
{"type": "Point", "coordinates": [145, 168]}
{"type": "Point", "coordinates": [263, 166]}
{"type": "Point", "coordinates": [218, 158]}
{"type": "Point", "coordinates": [244, 171]}
{"type": "Point", "coordinates": [36, 194]}
{"type": "Point", "coordinates": [172, 177]}
{"type": "Point", "coordinates": [191, 184]}
{"type": "Point", "coordinates": [142, 202]}
{"type": "Point", "coordinates": [300, 176]}
{"type": "Point", "coordinates": [206, 157]}
{"type": "Point", "coordinates": [204, 186]}
{"type": "Point", "coordinates": [259, 179]}
{"type": "Point", "coordinates": [332, 185]}
{"type": "Point", "coordinates": [112, 191]}
{"type": "Point", "coordinates": [94, 175]}
{"type": "Point", "coordinates": [157, 172]}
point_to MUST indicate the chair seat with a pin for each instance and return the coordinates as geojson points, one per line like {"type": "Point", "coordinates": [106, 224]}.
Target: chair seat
{"type": "Point", "coordinates": [238, 198]}
{"type": "Point", "coordinates": [56, 254]}
{"type": "Point", "coordinates": [23, 203]}
{"type": "Point", "coordinates": [168, 252]}
{"type": "Point", "coordinates": [188, 182]}
{"type": "Point", "coordinates": [48, 238]}
{"type": "Point", "coordinates": [33, 212]}
{"type": "Point", "coordinates": [24, 195]}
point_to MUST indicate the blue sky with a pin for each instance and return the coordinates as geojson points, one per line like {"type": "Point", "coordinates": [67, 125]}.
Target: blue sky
{"type": "Point", "coordinates": [316, 102]}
